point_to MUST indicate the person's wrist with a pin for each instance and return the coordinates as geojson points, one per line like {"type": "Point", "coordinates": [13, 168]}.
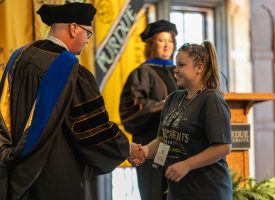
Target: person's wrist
{"type": "Point", "coordinates": [146, 151]}
{"type": "Point", "coordinates": [187, 164]}
{"type": "Point", "coordinates": [130, 150]}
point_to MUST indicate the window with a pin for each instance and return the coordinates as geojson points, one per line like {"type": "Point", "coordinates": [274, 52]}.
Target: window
{"type": "Point", "coordinates": [193, 24]}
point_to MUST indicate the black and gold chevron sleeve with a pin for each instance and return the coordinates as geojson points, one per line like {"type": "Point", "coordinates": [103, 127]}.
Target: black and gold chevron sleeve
{"type": "Point", "coordinates": [95, 139]}
{"type": "Point", "coordinates": [91, 123]}
{"type": "Point", "coordinates": [88, 119]}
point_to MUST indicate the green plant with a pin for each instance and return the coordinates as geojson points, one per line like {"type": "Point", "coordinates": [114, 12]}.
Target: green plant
{"type": "Point", "coordinates": [251, 189]}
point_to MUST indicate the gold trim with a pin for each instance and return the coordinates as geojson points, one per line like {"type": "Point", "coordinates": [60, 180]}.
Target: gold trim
{"type": "Point", "coordinates": [5, 95]}
{"type": "Point", "coordinates": [107, 125]}
{"type": "Point", "coordinates": [92, 135]}
{"type": "Point", "coordinates": [5, 105]}
{"type": "Point", "coordinates": [86, 119]}
{"type": "Point", "coordinates": [28, 124]}
{"type": "Point", "coordinates": [108, 139]}
{"type": "Point", "coordinates": [87, 101]}
{"type": "Point", "coordinates": [90, 113]}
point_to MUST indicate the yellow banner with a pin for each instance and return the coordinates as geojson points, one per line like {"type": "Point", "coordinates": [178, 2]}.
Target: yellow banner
{"type": "Point", "coordinates": [132, 55]}
{"type": "Point", "coordinates": [16, 27]}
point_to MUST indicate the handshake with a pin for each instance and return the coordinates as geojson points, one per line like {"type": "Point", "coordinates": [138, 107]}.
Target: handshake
{"type": "Point", "coordinates": [138, 154]}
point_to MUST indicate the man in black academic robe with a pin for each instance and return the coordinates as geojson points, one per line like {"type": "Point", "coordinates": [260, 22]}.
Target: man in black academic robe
{"type": "Point", "coordinates": [55, 133]}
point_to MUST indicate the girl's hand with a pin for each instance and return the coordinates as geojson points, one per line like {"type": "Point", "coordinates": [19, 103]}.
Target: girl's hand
{"type": "Point", "coordinates": [177, 171]}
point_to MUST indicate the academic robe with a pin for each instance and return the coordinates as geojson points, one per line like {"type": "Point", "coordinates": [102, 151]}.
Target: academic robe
{"type": "Point", "coordinates": [77, 143]}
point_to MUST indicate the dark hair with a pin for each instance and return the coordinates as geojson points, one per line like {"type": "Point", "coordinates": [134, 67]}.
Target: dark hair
{"type": "Point", "coordinates": [149, 47]}
{"type": "Point", "coordinates": [205, 53]}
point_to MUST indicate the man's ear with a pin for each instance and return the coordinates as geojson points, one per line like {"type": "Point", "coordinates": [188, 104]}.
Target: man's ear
{"type": "Point", "coordinates": [72, 30]}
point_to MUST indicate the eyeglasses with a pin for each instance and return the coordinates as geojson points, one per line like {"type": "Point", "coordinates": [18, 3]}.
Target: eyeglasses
{"type": "Point", "coordinates": [89, 33]}
{"type": "Point", "coordinates": [188, 45]}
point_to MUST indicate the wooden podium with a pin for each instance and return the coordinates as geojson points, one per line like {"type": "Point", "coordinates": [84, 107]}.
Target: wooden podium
{"type": "Point", "coordinates": [240, 104]}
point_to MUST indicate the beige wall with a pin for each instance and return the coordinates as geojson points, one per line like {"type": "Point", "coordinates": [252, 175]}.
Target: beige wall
{"type": "Point", "coordinates": [239, 46]}
{"type": "Point", "coordinates": [262, 41]}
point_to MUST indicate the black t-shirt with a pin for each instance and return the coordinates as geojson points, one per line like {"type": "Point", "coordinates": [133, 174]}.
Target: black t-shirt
{"type": "Point", "coordinates": [190, 126]}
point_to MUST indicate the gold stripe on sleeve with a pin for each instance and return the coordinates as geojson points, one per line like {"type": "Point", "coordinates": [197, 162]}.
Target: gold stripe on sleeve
{"type": "Point", "coordinates": [5, 105]}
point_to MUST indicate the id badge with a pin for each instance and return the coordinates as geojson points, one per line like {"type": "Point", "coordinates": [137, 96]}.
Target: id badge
{"type": "Point", "coordinates": [161, 155]}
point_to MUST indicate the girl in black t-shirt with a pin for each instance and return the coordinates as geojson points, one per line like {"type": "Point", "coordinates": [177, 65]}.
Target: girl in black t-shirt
{"type": "Point", "coordinates": [195, 123]}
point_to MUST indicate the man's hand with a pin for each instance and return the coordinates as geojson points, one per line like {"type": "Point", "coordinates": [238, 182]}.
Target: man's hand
{"type": "Point", "coordinates": [138, 154]}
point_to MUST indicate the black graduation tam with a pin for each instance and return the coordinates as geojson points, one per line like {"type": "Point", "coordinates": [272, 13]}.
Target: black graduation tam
{"type": "Point", "coordinates": [80, 13]}
{"type": "Point", "coordinates": [157, 27]}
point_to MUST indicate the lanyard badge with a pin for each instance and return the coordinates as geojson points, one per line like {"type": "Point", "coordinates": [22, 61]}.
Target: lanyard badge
{"type": "Point", "coordinates": [161, 155]}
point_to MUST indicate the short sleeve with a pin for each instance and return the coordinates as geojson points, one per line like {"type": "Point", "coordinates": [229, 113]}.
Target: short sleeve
{"type": "Point", "coordinates": [217, 119]}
